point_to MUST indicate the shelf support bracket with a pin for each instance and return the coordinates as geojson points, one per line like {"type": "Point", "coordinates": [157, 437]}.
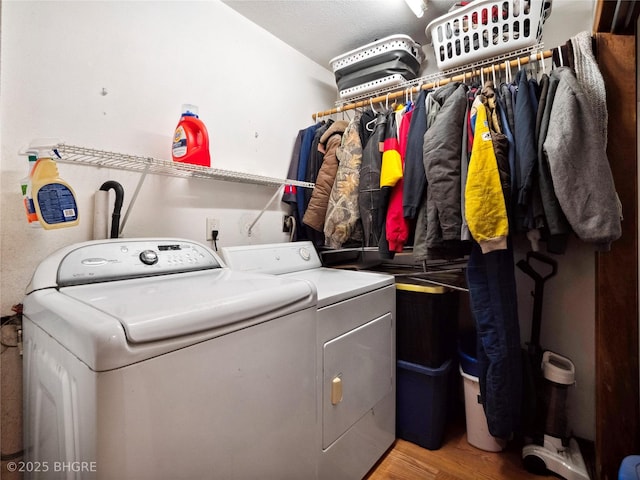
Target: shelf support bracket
{"type": "Point", "coordinates": [134, 198]}
{"type": "Point", "coordinates": [264, 209]}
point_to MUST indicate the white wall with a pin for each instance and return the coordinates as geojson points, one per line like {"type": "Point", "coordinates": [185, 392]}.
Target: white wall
{"type": "Point", "coordinates": [254, 94]}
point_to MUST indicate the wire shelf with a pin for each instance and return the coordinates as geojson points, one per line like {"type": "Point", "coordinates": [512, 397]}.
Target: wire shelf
{"type": "Point", "coordinates": [101, 158]}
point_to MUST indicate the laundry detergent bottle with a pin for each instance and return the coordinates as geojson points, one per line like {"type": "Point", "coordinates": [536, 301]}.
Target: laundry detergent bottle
{"type": "Point", "coordinates": [191, 140]}
{"type": "Point", "coordinates": [53, 198]}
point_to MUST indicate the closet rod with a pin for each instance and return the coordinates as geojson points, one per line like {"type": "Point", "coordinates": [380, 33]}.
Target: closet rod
{"type": "Point", "coordinates": [457, 78]}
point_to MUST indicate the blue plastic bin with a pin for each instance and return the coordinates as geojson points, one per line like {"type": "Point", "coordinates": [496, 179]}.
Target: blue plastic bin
{"type": "Point", "coordinates": [467, 353]}
{"type": "Point", "coordinates": [630, 468]}
{"type": "Point", "coordinates": [421, 403]}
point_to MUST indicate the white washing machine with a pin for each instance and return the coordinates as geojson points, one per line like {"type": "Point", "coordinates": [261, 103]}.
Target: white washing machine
{"type": "Point", "coordinates": [149, 359]}
{"type": "Point", "coordinates": [355, 353]}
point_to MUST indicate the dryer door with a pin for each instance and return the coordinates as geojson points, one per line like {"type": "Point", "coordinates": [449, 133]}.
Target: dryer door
{"type": "Point", "coordinates": [358, 373]}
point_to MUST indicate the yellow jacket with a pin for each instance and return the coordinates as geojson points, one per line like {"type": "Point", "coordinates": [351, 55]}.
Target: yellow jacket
{"type": "Point", "coordinates": [485, 210]}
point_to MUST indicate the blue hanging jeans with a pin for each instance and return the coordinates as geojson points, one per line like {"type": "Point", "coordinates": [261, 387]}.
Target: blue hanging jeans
{"type": "Point", "coordinates": [493, 298]}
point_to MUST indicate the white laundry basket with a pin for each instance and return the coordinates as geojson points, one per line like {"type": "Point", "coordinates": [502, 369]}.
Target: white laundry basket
{"type": "Point", "coordinates": [383, 63]}
{"type": "Point", "coordinates": [486, 28]}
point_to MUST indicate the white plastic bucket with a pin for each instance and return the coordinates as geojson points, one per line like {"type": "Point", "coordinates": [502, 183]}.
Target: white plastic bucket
{"type": "Point", "coordinates": [477, 430]}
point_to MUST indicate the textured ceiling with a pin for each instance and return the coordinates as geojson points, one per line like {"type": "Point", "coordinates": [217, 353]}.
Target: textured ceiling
{"type": "Point", "coordinates": [324, 29]}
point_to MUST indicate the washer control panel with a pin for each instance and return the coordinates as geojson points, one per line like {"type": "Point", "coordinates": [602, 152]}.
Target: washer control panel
{"type": "Point", "coordinates": [122, 259]}
{"type": "Point", "coordinates": [276, 258]}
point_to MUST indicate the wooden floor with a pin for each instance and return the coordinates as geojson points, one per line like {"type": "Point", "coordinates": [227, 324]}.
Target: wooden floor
{"type": "Point", "coordinates": [455, 460]}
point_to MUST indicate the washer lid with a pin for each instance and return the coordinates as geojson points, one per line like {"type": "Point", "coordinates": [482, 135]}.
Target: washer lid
{"type": "Point", "coordinates": [162, 307]}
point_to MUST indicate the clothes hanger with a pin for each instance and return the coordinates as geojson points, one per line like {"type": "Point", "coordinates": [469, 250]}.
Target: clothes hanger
{"type": "Point", "coordinates": [370, 125]}
{"type": "Point", "coordinates": [493, 67]}
{"type": "Point", "coordinates": [559, 62]}
{"type": "Point", "coordinates": [560, 57]}
{"type": "Point", "coordinates": [541, 62]}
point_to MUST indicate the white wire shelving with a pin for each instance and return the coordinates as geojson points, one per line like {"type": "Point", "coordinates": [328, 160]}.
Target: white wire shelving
{"type": "Point", "coordinates": [144, 165]}
{"type": "Point", "coordinates": [120, 161]}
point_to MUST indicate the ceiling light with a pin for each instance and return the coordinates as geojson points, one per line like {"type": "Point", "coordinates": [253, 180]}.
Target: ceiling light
{"type": "Point", "coordinates": [417, 6]}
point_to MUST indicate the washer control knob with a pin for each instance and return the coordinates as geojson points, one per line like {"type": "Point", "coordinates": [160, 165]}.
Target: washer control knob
{"type": "Point", "coordinates": [149, 257]}
{"type": "Point", "coordinates": [304, 253]}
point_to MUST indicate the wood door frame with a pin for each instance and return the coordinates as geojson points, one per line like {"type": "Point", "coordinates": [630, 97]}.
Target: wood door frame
{"type": "Point", "coordinates": [616, 316]}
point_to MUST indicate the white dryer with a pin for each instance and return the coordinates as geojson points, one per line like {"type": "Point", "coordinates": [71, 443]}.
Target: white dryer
{"type": "Point", "coordinates": [149, 359]}
{"type": "Point", "coordinates": [355, 353]}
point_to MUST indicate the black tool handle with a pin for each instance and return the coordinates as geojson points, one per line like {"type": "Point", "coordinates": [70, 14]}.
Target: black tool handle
{"type": "Point", "coordinates": [538, 293]}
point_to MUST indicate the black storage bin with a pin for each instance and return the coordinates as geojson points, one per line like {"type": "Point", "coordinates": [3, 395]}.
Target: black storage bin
{"type": "Point", "coordinates": [427, 323]}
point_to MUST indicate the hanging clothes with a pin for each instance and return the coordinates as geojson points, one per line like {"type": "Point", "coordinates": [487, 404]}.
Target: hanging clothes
{"type": "Point", "coordinates": [491, 277]}
{"type": "Point", "coordinates": [305, 153]}
{"type": "Point", "coordinates": [415, 178]}
{"type": "Point", "coordinates": [539, 219]}
{"type": "Point", "coordinates": [465, 234]}
{"type": "Point", "coordinates": [316, 211]}
{"type": "Point", "coordinates": [369, 198]}
{"type": "Point", "coordinates": [590, 79]}
{"type": "Point", "coordinates": [505, 95]}
{"type": "Point", "coordinates": [442, 156]}
{"type": "Point", "coordinates": [297, 166]}
{"type": "Point", "coordinates": [524, 133]}
{"type": "Point", "coordinates": [557, 225]}
{"type": "Point", "coordinates": [342, 223]}
{"type": "Point", "coordinates": [493, 299]}
{"type": "Point", "coordinates": [316, 157]}
{"type": "Point", "coordinates": [526, 154]}
{"type": "Point", "coordinates": [433, 101]}
{"type": "Point", "coordinates": [485, 204]}
{"type": "Point", "coordinates": [390, 173]}
{"type": "Point", "coordinates": [289, 194]}
{"type": "Point", "coordinates": [397, 225]}
{"type": "Point", "coordinates": [578, 163]}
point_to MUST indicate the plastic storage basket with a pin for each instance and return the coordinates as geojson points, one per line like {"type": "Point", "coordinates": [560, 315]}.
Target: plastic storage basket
{"type": "Point", "coordinates": [427, 322]}
{"type": "Point", "coordinates": [422, 397]}
{"type": "Point", "coordinates": [383, 63]}
{"type": "Point", "coordinates": [486, 28]}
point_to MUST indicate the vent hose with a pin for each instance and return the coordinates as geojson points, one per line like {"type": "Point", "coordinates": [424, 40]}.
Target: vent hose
{"type": "Point", "coordinates": [115, 217]}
